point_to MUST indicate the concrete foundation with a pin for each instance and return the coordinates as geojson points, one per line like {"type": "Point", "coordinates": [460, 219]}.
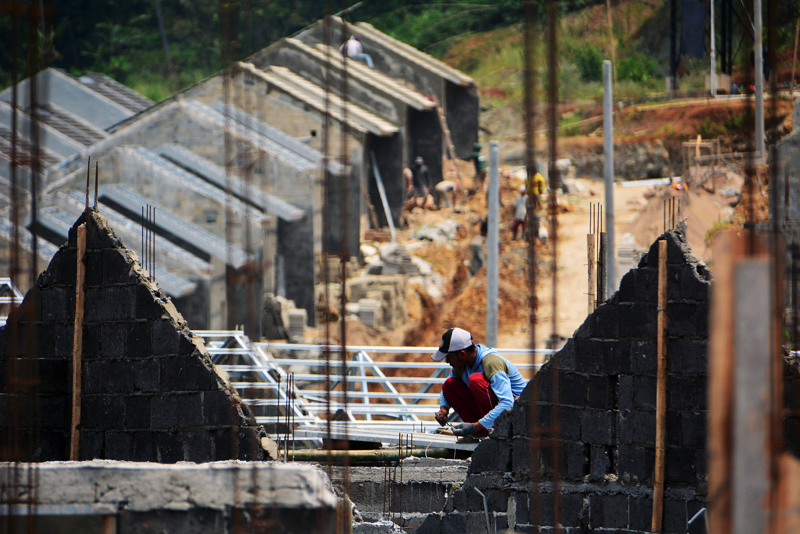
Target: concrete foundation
{"type": "Point", "coordinates": [128, 498]}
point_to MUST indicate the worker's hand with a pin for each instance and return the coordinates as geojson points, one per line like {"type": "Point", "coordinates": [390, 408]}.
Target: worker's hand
{"type": "Point", "coordinates": [464, 429]}
{"type": "Point", "coordinates": [441, 415]}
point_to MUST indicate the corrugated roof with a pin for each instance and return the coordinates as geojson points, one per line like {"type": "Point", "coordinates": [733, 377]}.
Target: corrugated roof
{"type": "Point", "coordinates": [330, 55]}
{"type": "Point", "coordinates": [414, 54]}
{"type": "Point", "coordinates": [309, 93]}
{"type": "Point", "coordinates": [115, 91]}
{"type": "Point", "coordinates": [216, 175]}
{"type": "Point", "coordinates": [70, 125]}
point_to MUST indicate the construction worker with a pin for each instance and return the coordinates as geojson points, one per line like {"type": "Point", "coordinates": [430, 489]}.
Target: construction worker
{"type": "Point", "coordinates": [421, 181]}
{"type": "Point", "coordinates": [535, 186]}
{"type": "Point", "coordinates": [479, 160]}
{"type": "Point", "coordinates": [481, 385]}
{"type": "Point", "coordinates": [520, 213]}
{"type": "Point", "coordinates": [352, 48]}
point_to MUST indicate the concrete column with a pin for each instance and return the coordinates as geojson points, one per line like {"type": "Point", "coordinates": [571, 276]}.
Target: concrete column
{"type": "Point", "coordinates": [493, 238]}
{"type": "Point", "coordinates": [608, 175]}
{"type": "Point", "coordinates": [759, 66]}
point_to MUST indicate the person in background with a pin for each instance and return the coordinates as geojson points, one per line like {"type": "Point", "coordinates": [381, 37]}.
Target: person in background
{"type": "Point", "coordinates": [535, 187]}
{"type": "Point", "coordinates": [421, 181]}
{"type": "Point", "coordinates": [352, 48]}
{"type": "Point", "coordinates": [520, 213]}
{"type": "Point", "coordinates": [445, 193]}
{"type": "Point", "coordinates": [481, 385]}
{"type": "Point", "coordinates": [479, 160]}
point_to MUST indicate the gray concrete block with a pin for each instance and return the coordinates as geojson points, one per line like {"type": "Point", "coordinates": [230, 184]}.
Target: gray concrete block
{"type": "Point", "coordinates": [380, 527]}
{"type": "Point", "coordinates": [600, 392]}
{"type": "Point", "coordinates": [113, 338]}
{"type": "Point", "coordinates": [644, 357]}
{"type": "Point", "coordinates": [609, 511]}
{"type": "Point", "coordinates": [644, 428]}
{"type": "Point", "coordinates": [598, 427]}
{"type": "Point", "coordinates": [146, 375]}
{"type": "Point", "coordinates": [686, 392]}
{"type": "Point", "coordinates": [680, 465]}
{"type": "Point", "coordinates": [163, 412]}
{"type": "Point", "coordinates": [637, 321]}
{"type": "Point", "coordinates": [644, 396]}
{"type": "Point", "coordinates": [681, 319]}
{"type": "Point", "coordinates": [118, 446]}
{"type": "Point", "coordinates": [137, 412]}
{"type": "Point", "coordinates": [572, 389]}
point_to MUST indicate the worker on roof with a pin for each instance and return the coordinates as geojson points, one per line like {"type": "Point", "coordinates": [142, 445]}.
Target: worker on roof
{"type": "Point", "coordinates": [352, 48]}
{"type": "Point", "coordinates": [479, 160]}
{"type": "Point", "coordinates": [481, 385]}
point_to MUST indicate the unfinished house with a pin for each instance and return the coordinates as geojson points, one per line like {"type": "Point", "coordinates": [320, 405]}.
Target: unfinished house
{"type": "Point", "coordinates": [455, 91]}
{"type": "Point", "coordinates": [224, 226]}
{"type": "Point", "coordinates": [123, 378]}
{"type": "Point", "coordinates": [71, 115]}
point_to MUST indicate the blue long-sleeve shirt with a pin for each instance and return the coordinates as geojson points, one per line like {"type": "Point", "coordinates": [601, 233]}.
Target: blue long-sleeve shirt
{"type": "Point", "coordinates": [504, 379]}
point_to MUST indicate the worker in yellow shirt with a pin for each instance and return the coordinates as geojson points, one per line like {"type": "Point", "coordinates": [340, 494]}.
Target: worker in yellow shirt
{"type": "Point", "coordinates": [535, 187]}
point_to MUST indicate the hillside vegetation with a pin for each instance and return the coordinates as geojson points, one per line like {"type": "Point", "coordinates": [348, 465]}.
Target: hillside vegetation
{"type": "Point", "coordinates": [482, 37]}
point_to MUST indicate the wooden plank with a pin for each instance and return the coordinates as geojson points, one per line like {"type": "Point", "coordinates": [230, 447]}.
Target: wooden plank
{"type": "Point", "coordinates": [77, 347]}
{"type": "Point", "coordinates": [661, 390]}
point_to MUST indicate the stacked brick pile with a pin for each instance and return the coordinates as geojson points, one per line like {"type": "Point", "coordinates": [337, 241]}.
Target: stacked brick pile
{"type": "Point", "coordinates": [606, 409]}
{"type": "Point", "coordinates": [149, 389]}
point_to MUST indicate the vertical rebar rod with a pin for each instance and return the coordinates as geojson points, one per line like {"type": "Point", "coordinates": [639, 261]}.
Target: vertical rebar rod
{"type": "Point", "coordinates": [608, 175]}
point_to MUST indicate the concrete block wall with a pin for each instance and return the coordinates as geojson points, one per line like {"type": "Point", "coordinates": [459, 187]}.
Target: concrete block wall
{"type": "Point", "coordinates": [149, 389]}
{"type": "Point", "coordinates": [606, 409]}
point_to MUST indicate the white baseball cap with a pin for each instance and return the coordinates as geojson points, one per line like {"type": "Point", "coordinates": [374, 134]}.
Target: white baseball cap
{"type": "Point", "coordinates": [453, 340]}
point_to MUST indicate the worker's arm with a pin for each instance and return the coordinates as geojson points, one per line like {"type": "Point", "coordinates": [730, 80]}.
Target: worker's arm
{"type": "Point", "coordinates": [501, 386]}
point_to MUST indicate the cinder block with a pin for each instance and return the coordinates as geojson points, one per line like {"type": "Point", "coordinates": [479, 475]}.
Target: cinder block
{"type": "Point", "coordinates": [680, 465]}
{"type": "Point", "coordinates": [163, 412]}
{"type": "Point", "coordinates": [93, 260]}
{"type": "Point", "coordinates": [693, 285]}
{"type": "Point", "coordinates": [635, 460]}
{"type": "Point", "coordinates": [502, 425]}
{"type": "Point", "coordinates": [644, 392]}
{"type": "Point", "coordinates": [118, 446]}
{"type": "Point", "coordinates": [117, 267]}
{"type": "Point", "coordinates": [179, 373]}
{"type": "Point", "coordinates": [644, 428]}
{"type": "Point", "coordinates": [598, 427]}
{"type": "Point", "coordinates": [521, 455]}
{"type": "Point", "coordinates": [91, 341]}
{"type": "Point", "coordinates": [491, 456]}
{"type": "Point", "coordinates": [431, 525]}
{"type": "Point", "coordinates": [701, 320]}
{"type": "Point", "coordinates": [569, 422]}
{"type": "Point", "coordinates": [627, 287]}
{"type": "Point", "coordinates": [674, 429]}
{"type": "Point", "coordinates": [54, 415]}
{"type": "Point", "coordinates": [637, 321]}
{"type": "Point", "coordinates": [143, 447]}
{"type": "Point", "coordinates": [572, 389]}
{"type": "Point", "coordinates": [613, 511]}
{"type": "Point", "coordinates": [674, 517]}
{"type": "Point", "coordinates": [605, 322]}
{"type": "Point", "coordinates": [644, 357]}
{"type": "Point", "coordinates": [589, 356]}
{"type": "Point", "coordinates": [574, 460]}
{"type": "Point", "coordinates": [600, 392]}
{"type": "Point", "coordinates": [574, 510]}
{"type": "Point", "coordinates": [55, 376]}
{"type": "Point", "coordinates": [91, 445]}
{"type": "Point", "coordinates": [681, 319]}
{"type": "Point", "coordinates": [624, 426]}
{"type": "Point", "coordinates": [699, 525]}
{"type": "Point", "coordinates": [64, 335]}
{"type": "Point", "coordinates": [115, 303]}
{"type": "Point", "coordinates": [147, 307]}
{"type": "Point", "coordinates": [102, 412]}
{"type": "Point", "coordinates": [139, 341]}
{"type": "Point", "coordinates": [137, 412]}
{"type": "Point", "coordinates": [54, 304]}
{"type": "Point", "coordinates": [197, 446]}
{"type": "Point", "coordinates": [600, 462]}
{"type": "Point", "coordinates": [646, 285]}
{"type": "Point", "coordinates": [121, 379]}
{"type": "Point", "coordinates": [640, 512]}
{"type": "Point", "coordinates": [165, 337]}
{"type": "Point", "coordinates": [190, 410]}
{"type": "Point", "coordinates": [169, 448]}
{"type": "Point", "coordinates": [616, 357]}
{"type": "Point", "coordinates": [113, 338]}
{"type": "Point", "coordinates": [674, 282]}
{"type": "Point", "coordinates": [62, 269]}
{"type": "Point", "coordinates": [687, 393]}
{"type": "Point", "coordinates": [217, 409]}
{"type": "Point", "coordinates": [146, 375]}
